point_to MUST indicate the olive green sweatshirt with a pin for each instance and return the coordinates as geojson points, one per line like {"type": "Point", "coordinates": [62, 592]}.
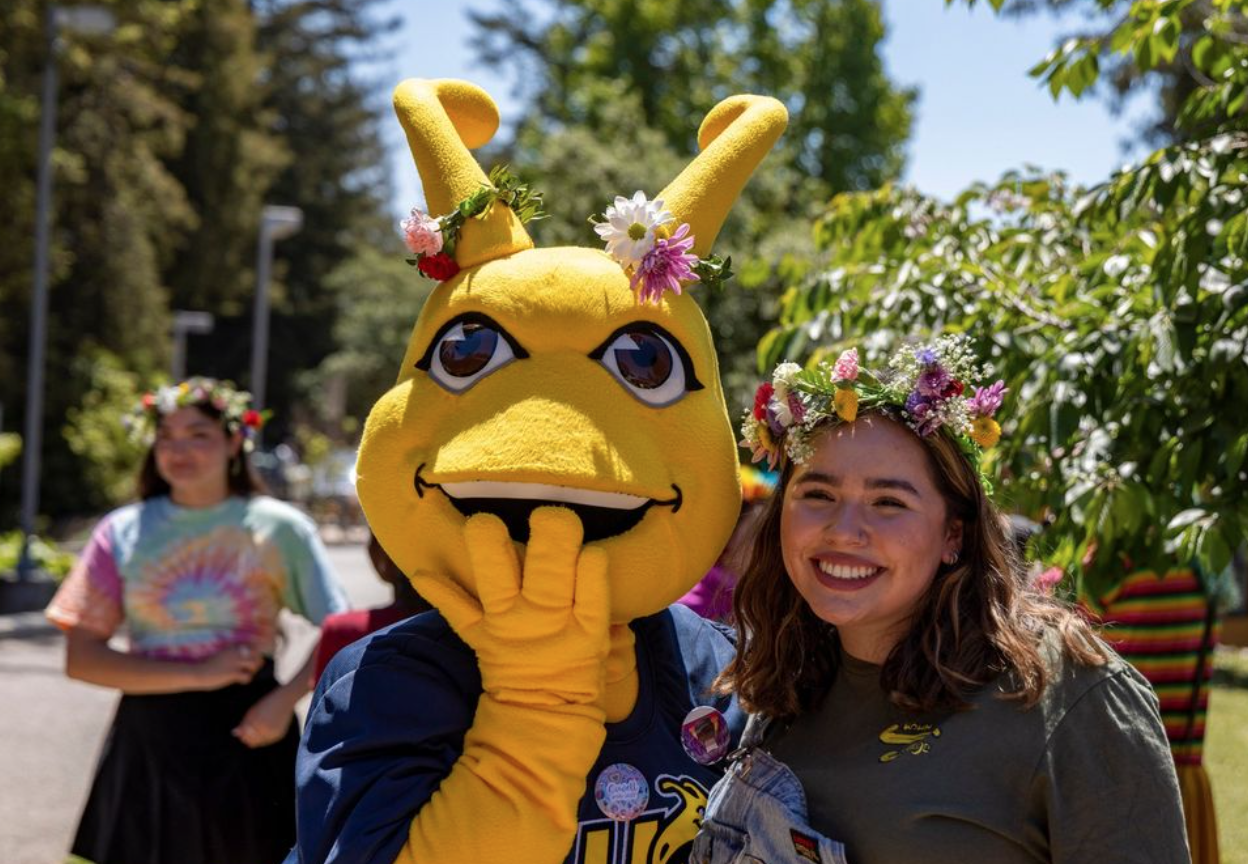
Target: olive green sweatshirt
{"type": "Point", "coordinates": [1084, 776]}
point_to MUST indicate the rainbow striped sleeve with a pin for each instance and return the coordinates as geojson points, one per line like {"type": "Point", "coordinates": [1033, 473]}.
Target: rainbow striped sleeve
{"type": "Point", "coordinates": [1158, 625]}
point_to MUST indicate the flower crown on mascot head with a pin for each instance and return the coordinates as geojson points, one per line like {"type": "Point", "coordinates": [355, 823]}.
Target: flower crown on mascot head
{"type": "Point", "coordinates": [539, 497]}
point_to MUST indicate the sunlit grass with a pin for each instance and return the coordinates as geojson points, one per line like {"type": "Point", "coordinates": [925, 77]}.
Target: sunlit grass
{"type": "Point", "coordinates": [1226, 752]}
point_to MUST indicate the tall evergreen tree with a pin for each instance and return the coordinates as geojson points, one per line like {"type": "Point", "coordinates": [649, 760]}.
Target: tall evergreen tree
{"type": "Point", "coordinates": [117, 213]}
{"type": "Point", "coordinates": [232, 156]}
{"type": "Point", "coordinates": [337, 172]}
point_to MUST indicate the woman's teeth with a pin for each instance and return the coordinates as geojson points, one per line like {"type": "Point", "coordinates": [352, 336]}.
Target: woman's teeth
{"type": "Point", "coordinates": [839, 571]}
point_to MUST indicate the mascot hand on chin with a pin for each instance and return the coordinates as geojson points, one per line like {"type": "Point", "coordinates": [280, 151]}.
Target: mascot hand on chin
{"type": "Point", "coordinates": [554, 467]}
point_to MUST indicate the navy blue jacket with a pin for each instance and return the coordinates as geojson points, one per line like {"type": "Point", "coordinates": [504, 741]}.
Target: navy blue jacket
{"type": "Point", "coordinates": [388, 720]}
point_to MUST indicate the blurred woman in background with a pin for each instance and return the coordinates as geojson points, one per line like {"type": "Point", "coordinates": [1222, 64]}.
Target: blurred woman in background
{"type": "Point", "coordinates": [198, 767]}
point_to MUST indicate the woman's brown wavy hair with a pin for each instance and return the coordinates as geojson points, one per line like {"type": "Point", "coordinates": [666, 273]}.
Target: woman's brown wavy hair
{"type": "Point", "coordinates": [241, 477]}
{"type": "Point", "coordinates": [978, 621]}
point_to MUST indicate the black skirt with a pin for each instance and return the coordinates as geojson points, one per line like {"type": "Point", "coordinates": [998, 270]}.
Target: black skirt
{"type": "Point", "coordinates": [175, 787]}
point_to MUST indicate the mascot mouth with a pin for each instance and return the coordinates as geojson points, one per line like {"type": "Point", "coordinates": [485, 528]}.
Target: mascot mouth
{"type": "Point", "coordinates": [602, 514]}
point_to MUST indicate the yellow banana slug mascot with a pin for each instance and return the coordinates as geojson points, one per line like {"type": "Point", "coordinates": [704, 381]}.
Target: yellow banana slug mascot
{"type": "Point", "coordinates": [553, 468]}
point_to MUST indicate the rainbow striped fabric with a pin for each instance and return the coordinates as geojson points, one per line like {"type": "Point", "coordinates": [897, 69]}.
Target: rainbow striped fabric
{"type": "Point", "coordinates": [1157, 623]}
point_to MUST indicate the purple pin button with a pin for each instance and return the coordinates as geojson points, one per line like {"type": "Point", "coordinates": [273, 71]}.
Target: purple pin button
{"type": "Point", "coordinates": [704, 735]}
{"type": "Point", "coordinates": [621, 792]}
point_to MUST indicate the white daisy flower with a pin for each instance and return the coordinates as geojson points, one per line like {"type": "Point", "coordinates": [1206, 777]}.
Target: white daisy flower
{"type": "Point", "coordinates": [167, 400]}
{"type": "Point", "coordinates": [629, 227]}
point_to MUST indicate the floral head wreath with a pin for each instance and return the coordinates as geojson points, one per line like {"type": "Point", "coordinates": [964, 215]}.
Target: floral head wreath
{"type": "Point", "coordinates": [926, 387]}
{"type": "Point", "coordinates": [646, 241]}
{"type": "Point", "coordinates": [640, 234]}
{"type": "Point", "coordinates": [432, 239]}
{"type": "Point", "coordinates": [234, 405]}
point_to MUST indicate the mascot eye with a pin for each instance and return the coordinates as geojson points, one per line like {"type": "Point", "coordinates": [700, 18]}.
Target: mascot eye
{"type": "Point", "coordinates": [650, 363]}
{"type": "Point", "coordinates": [468, 349]}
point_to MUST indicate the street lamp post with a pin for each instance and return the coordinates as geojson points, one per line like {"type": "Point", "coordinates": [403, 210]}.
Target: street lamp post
{"type": "Point", "coordinates": [90, 21]}
{"type": "Point", "coordinates": [276, 223]}
{"type": "Point", "coordinates": [185, 322]}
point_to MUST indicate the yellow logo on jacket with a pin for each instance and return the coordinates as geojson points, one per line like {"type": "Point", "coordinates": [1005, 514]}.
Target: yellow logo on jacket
{"type": "Point", "coordinates": [657, 836]}
{"type": "Point", "coordinates": [911, 738]}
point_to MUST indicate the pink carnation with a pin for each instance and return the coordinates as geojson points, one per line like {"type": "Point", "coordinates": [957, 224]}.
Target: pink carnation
{"type": "Point", "coordinates": [846, 368]}
{"type": "Point", "coordinates": [421, 233]}
{"type": "Point", "coordinates": [665, 266]}
{"type": "Point", "coordinates": [987, 400]}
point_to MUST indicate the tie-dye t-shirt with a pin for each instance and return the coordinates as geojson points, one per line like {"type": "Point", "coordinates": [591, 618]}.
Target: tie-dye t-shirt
{"type": "Point", "coordinates": [187, 582]}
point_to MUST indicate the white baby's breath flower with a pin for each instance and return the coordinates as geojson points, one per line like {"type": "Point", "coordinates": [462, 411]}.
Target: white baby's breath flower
{"type": "Point", "coordinates": [629, 229]}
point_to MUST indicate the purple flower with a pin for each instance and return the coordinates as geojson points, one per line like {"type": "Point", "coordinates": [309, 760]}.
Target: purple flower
{"type": "Point", "coordinates": [929, 424]}
{"type": "Point", "coordinates": [773, 421]}
{"type": "Point", "coordinates": [796, 408]}
{"type": "Point", "coordinates": [665, 266]}
{"type": "Point", "coordinates": [933, 381]}
{"type": "Point", "coordinates": [917, 406]}
{"type": "Point", "coordinates": [986, 400]}
{"type": "Point", "coordinates": [924, 418]}
{"type": "Point", "coordinates": [926, 357]}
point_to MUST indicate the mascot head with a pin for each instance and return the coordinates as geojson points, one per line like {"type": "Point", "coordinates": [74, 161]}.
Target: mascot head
{"type": "Point", "coordinates": [539, 376]}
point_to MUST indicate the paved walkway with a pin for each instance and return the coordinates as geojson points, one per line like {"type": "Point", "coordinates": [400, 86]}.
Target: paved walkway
{"type": "Point", "coordinates": [52, 728]}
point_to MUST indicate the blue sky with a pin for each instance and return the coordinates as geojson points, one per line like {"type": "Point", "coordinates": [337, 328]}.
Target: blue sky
{"type": "Point", "coordinates": [978, 113]}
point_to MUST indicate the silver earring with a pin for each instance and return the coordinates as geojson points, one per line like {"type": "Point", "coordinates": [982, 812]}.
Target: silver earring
{"type": "Point", "coordinates": [953, 559]}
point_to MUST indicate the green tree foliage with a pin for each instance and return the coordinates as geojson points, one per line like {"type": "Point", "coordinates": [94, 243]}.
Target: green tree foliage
{"type": "Point", "coordinates": [10, 448]}
{"type": "Point", "coordinates": [378, 297]}
{"type": "Point", "coordinates": [1118, 316]}
{"type": "Point", "coordinates": [173, 131]}
{"type": "Point", "coordinates": [1175, 61]}
{"type": "Point", "coordinates": [578, 58]}
{"type": "Point", "coordinates": [46, 556]}
{"type": "Point", "coordinates": [230, 159]}
{"type": "Point", "coordinates": [337, 170]}
{"type": "Point", "coordinates": [617, 91]}
{"type": "Point", "coordinates": [110, 460]}
{"type": "Point", "coordinates": [118, 211]}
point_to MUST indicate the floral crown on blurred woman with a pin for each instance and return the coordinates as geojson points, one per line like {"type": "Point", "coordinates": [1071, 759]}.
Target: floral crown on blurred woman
{"type": "Point", "coordinates": [927, 387]}
{"type": "Point", "coordinates": [233, 404]}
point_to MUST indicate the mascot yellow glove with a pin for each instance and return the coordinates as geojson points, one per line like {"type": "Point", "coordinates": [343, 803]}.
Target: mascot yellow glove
{"type": "Point", "coordinates": [540, 633]}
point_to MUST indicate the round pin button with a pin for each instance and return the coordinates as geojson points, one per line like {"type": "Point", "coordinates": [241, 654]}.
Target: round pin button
{"type": "Point", "coordinates": [621, 792]}
{"type": "Point", "coordinates": [704, 735]}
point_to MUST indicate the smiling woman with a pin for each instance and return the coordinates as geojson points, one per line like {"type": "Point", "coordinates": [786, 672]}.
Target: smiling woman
{"type": "Point", "coordinates": [863, 530]}
{"type": "Point", "coordinates": [913, 699]}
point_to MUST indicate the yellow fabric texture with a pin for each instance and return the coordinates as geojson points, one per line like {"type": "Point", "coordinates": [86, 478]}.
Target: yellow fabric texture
{"type": "Point", "coordinates": [557, 417]}
{"type": "Point", "coordinates": [1198, 812]}
{"type": "Point", "coordinates": [443, 120]}
{"type": "Point", "coordinates": [704, 192]}
{"type": "Point", "coordinates": [548, 619]}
